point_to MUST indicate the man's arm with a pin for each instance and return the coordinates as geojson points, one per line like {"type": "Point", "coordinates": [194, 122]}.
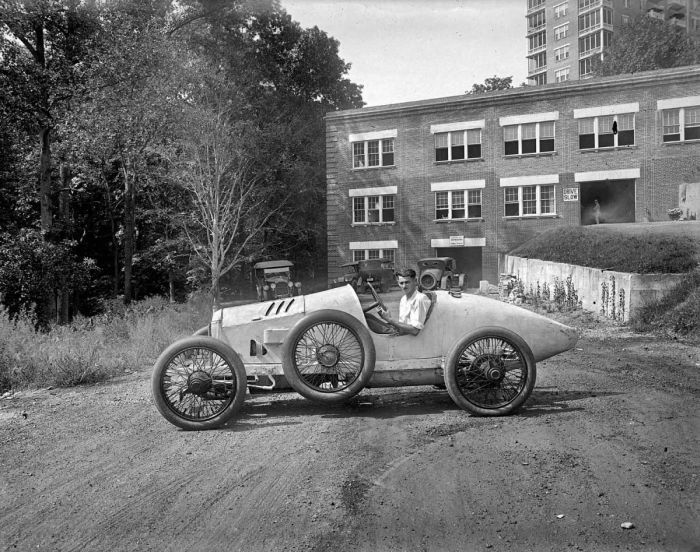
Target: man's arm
{"type": "Point", "coordinates": [402, 328]}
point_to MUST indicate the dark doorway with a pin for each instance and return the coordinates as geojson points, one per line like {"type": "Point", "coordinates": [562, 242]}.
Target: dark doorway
{"type": "Point", "coordinates": [468, 261]}
{"type": "Point", "coordinates": [615, 198]}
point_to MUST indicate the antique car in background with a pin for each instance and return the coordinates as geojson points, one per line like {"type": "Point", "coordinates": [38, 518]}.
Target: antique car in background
{"type": "Point", "coordinates": [273, 279]}
{"type": "Point", "coordinates": [326, 345]}
{"type": "Point", "coordinates": [351, 273]}
{"type": "Point", "coordinates": [378, 273]}
{"type": "Point", "coordinates": [439, 273]}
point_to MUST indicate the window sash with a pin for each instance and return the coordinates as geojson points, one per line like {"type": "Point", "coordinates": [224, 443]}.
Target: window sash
{"type": "Point", "coordinates": [450, 146]}
{"type": "Point", "coordinates": [451, 205]}
{"type": "Point", "coordinates": [597, 132]}
{"type": "Point", "coordinates": [528, 138]}
{"type": "Point", "coordinates": [528, 201]}
{"type": "Point", "coordinates": [373, 153]}
{"type": "Point", "coordinates": [373, 209]}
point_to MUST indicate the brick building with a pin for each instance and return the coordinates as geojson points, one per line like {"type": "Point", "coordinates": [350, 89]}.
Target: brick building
{"type": "Point", "coordinates": [474, 176]}
{"type": "Point", "coordinates": [564, 36]}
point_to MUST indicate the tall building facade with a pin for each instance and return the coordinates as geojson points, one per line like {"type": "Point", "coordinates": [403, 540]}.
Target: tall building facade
{"type": "Point", "coordinates": [474, 176]}
{"type": "Point", "coordinates": [563, 37]}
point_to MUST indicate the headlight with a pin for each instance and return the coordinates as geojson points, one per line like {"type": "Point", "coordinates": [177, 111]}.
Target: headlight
{"type": "Point", "coordinates": [290, 284]}
{"type": "Point", "coordinates": [298, 284]}
{"type": "Point", "coordinates": [266, 287]}
{"type": "Point", "coordinates": [273, 285]}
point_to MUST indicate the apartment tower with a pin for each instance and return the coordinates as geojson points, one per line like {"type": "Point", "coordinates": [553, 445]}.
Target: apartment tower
{"type": "Point", "coordinates": [563, 37]}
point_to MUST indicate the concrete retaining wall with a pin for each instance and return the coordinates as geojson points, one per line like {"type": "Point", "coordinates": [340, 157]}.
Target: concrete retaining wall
{"type": "Point", "coordinates": [618, 295]}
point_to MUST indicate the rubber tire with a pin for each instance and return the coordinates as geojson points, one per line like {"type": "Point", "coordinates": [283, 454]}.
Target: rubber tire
{"type": "Point", "coordinates": [297, 382]}
{"type": "Point", "coordinates": [451, 367]}
{"type": "Point", "coordinates": [431, 283]}
{"type": "Point", "coordinates": [226, 353]}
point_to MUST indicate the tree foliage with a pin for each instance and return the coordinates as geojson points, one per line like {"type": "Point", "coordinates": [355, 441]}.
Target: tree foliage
{"type": "Point", "coordinates": [645, 44]}
{"type": "Point", "coordinates": [106, 110]}
{"type": "Point", "coordinates": [491, 84]}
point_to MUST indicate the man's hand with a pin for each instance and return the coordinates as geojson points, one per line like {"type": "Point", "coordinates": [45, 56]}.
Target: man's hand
{"type": "Point", "coordinates": [386, 315]}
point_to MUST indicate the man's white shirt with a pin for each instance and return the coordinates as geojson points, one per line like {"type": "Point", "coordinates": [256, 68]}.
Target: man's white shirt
{"type": "Point", "coordinates": [414, 309]}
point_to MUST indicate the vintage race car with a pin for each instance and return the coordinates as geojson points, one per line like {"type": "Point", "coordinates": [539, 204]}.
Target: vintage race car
{"type": "Point", "coordinates": [329, 346]}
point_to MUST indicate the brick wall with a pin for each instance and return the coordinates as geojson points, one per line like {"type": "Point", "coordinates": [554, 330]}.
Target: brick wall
{"type": "Point", "coordinates": [662, 167]}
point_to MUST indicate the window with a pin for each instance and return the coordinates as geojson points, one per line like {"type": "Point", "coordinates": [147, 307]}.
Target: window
{"type": "Point", "coordinates": [539, 79]}
{"type": "Point", "coordinates": [588, 21]}
{"type": "Point", "coordinates": [537, 40]}
{"type": "Point", "coordinates": [537, 61]}
{"type": "Point", "coordinates": [536, 20]}
{"type": "Point", "coordinates": [561, 75]}
{"type": "Point", "coordinates": [373, 153]}
{"type": "Point", "coordinates": [365, 254]}
{"type": "Point", "coordinates": [585, 67]}
{"type": "Point", "coordinates": [607, 131]}
{"type": "Point", "coordinates": [625, 19]}
{"type": "Point", "coordinates": [583, 4]}
{"type": "Point", "coordinates": [562, 53]}
{"type": "Point", "coordinates": [627, 3]}
{"type": "Point", "coordinates": [531, 4]}
{"type": "Point", "coordinates": [523, 201]}
{"type": "Point", "coordinates": [560, 10]}
{"type": "Point", "coordinates": [607, 16]}
{"type": "Point", "coordinates": [529, 138]}
{"type": "Point", "coordinates": [588, 43]}
{"type": "Point", "coordinates": [375, 209]}
{"type": "Point", "coordinates": [681, 124]}
{"type": "Point", "coordinates": [561, 32]}
{"type": "Point", "coordinates": [451, 204]}
{"type": "Point", "coordinates": [450, 146]}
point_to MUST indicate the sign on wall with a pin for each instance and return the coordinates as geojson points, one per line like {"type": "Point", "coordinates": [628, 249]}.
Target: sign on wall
{"type": "Point", "coordinates": [570, 194]}
{"type": "Point", "coordinates": [456, 241]}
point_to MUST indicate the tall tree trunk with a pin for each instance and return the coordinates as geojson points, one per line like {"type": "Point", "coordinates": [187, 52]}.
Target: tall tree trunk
{"type": "Point", "coordinates": [129, 225]}
{"type": "Point", "coordinates": [64, 217]}
{"type": "Point", "coordinates": [45, 181]}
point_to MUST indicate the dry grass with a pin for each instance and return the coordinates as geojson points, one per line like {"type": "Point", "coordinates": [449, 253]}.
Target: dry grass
{"type": "Point", "coordinates": [93, 349]}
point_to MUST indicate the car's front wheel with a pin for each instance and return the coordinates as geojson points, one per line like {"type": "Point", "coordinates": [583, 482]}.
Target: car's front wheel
{"type": "Point", "coordinates": [198, 383]}
{"type": "Point", "coordinates": [490, 372]}
{"type": "Point", "coordinates": [328, 356]}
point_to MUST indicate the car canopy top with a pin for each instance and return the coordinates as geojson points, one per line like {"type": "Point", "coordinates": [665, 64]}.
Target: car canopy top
{"type": "Point", "coordinates": [273, 264]}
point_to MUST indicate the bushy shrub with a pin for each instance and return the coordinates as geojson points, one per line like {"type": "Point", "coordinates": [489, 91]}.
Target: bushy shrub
{"type": "Point", "coordinates": [677, 312]}
{"type": "Point", "coordinates": [613, 250]}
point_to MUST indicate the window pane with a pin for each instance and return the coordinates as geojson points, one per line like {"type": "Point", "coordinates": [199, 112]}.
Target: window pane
{"type": "Point", "coordinates": [387, 152]}
{"type": "Point", "coordinates": [692, 116]}
{"type": "Point", "coordinates": [474, 136]}
{"type": "Point", "coordinates": [389, 254]}
{"type": "Point", "coordinates": [457, 138]}
{"type": "Point", "coordinates": [585, 126]}
{"type": "Point", "coordinates": [510, 133]}
{"type": "Point", "coordinates": [474, 211]}
{"type": "Point", "coordinates": [625, 121]}
{"type": "Point", "coordinates": [458, 205]}
{"type": "Point", "coordinates": [511, 195]}
{"type": "Point", "coordinates": [529, 131]}
{"type": "Point", "coordinates": [358, 255]}
{"type": "Point", "coordinates": [358, 155]}
{"type": "Point", "coordinates": [457, 152]}
{"type": "Point", "coordinates": [441, 205]}
{"type": "Point", "coordinates": [529, 200]}
{"type": "Point", "coordinates": [474, 151]}
{"type": "Point", "coordinates": [672, 125]}
{"type": "Point", "coordinates": [529, 146]}
{"type": "Point", "coordinates": [373, 253]}
{"type": "Point", "coordinates": [512, 210]}
{"type": "Point", "coordinates": [358, 209]}
{"type": "Point", "coordinates": [388, 208]}
{"type": "Point", "coordinates": [547, 129]}
{"type": "Point", "coordinates": [512, 207]}
{"type": "Point", "coordinates": [441, 140]}
{"type": "Point", "coordinates": [373, 209]}
{"type": "Point", "coordinates": [474, 197]}
{"type": "Point", "coordinates": [512, 148]}
{"type": "Point", "coordinates": [586, 141]}
{"type": "Point", "coordinates": [373, 153]}
{"type": "Point", "coordinates": [625, 138]}
{"type": "Point", "coordinates": [546, 199]}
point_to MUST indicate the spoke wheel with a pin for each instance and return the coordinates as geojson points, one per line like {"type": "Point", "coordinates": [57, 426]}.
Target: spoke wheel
{"type": "Point", "coordinates": [198, 383]}
{"type": "Point", "coordinates": [328, 356]}
{"type": "Point", "coordinates": [490, 372]}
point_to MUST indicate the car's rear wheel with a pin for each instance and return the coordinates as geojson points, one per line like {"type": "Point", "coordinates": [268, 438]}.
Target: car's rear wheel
{"type": "Point", "coordinates": [490, 372]}
{"type": "Point", "coordinates": [328, 356]}
{"type": "Point", "coordinates": [198, 383]}
{"type": "Point", "coordinates": [428, 281]}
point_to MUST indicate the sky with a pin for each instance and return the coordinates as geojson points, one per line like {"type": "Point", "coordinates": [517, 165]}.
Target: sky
{"type": "Point", "coordinates": [406, 50]}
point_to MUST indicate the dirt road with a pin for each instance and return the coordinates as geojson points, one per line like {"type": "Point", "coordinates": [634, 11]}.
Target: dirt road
{"type": "Point", "coordinates": [610, 435]}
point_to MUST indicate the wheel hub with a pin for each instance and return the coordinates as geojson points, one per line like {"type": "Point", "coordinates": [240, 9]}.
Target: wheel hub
{"type": "Point", "coordinates": [199, 382]}
{"type": "Point", "coordinates": [327, 355]}
{"type": "Point", "coordinates": [491, 367]}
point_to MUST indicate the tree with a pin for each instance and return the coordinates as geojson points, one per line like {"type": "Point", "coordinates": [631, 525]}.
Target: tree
{"type": "Point", "coordinates": [228, 195]}
{"type": "Point", "coordinates": [126, 113]}
{"type": "Point", "coordinates": [646, 44]}
{"type": "Point", "coordinates": [491, 84]}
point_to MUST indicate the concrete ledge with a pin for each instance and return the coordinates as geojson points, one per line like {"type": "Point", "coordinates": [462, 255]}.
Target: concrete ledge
{"type": "Point", "coordinates": [618, 295]}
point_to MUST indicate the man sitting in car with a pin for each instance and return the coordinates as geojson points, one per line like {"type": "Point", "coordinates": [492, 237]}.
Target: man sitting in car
{"type": "Point", "coordinates": [413, 308]}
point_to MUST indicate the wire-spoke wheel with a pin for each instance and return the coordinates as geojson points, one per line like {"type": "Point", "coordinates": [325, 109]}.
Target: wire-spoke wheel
{"type": "Point", "coordinates": [490, 372]}
{"type": "Point", "coordinates": [198, 383]}
{"type": "Point", "coordinates": [328, 356]}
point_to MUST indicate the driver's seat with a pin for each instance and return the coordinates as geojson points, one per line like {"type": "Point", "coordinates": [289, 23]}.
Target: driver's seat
{"type": "Point", "coordinates": [377, 325]}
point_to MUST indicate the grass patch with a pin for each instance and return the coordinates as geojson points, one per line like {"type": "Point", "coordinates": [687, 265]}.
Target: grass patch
{"type": "Point", "coordinates": [613, 250]}
{"type": "Point", "coordinates": [93, 349]}
{"type": "Point", "coordinates": [676, 313]}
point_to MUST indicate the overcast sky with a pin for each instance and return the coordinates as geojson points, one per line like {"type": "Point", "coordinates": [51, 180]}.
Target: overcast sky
{"type": "Point", "coordinates": [405, 50]}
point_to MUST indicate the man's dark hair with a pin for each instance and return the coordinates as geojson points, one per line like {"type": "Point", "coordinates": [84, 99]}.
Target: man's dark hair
{"type": "Point", "coordinates": [407, 273]}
